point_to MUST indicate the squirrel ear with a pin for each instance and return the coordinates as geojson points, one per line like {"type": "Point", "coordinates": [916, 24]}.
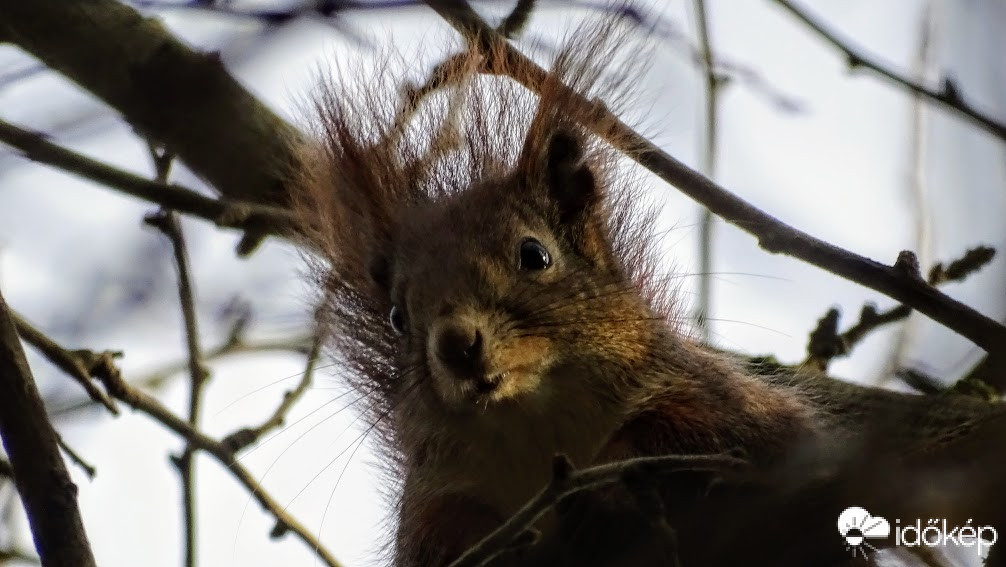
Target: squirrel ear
{"type": "Point", "coordinates": [571, 183]}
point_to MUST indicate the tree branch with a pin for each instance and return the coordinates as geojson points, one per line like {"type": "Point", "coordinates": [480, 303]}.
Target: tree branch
{"type": "Point", "coordinates": [235, 213]}
{"type": "Point", "coordinates": [88, 468]}
{"type": "Point", "coordinates": [248, 435]}
{"type": "Point", "coordinates": [71, 365]}
{"type": "Point", "coordinates": [167, 222]}
{"type": "Point", "coordinates": [948, 97]}
{"type": "Point", "coordinates": [234, 345]}
{"type": "Point", "coordinates": [136, 399]}
{"type": "Point", "coordinates": [567, 481]}
{"type": "Point", "coordinates": [773, 235]}
{"type": "Point", "coordinates": [162, 88]}
{"type": "Point", "coordinates": [48, 494]}
{"type": "Point", "coordinates": [713, 84]}
{"type": "Point", "coordinates": [827, 343]}
{"type": "Point", "coordinates": [102, 367]}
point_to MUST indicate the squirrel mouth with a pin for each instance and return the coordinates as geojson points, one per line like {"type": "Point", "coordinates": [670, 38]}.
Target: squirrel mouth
{"type": "Point", "coordinates": [481, 388]}
{"type": "Point", "coordinates": [486, 384]}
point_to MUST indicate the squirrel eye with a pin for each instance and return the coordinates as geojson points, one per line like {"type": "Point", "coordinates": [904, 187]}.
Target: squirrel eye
{"type": "Point", "coordinates": [397, 319]}
{"type": "Point", "coordinates": [533, 255]}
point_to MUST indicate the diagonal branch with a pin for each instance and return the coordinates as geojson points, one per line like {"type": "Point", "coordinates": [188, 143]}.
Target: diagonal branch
{"type": "Point", "coordinates": [248, 435]}
{"type": "Point", "coordinates": [225, 213]}
{"type": "Point", "coordinates": [947, 97]}
{"type": "Point", "coordinates": [48, 494]}
{"type": "Point", "coordinates": [163, 88]}
{"type": "Point", "coordinates": [102, 367]}
{"type": "Point", "coordinates": [71, 365]}
{"type": "Point", "coordinates": [138, 400]}
{"type": "Point", "coordinates": [827, 343]}
{"type": "Point", "coordinates": [773, 235]}
{"type": "Point", "coordinates": [567, 481]}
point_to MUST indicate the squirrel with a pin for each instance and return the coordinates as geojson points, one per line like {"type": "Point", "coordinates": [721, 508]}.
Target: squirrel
{"type": "Point", "coordinates": [491, 284]}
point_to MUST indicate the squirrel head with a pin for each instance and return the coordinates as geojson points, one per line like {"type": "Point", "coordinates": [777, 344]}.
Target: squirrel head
{"type": "Point", "coordinates": [482, 249]}
{"type": "Point", "coordinates": [493, 288]}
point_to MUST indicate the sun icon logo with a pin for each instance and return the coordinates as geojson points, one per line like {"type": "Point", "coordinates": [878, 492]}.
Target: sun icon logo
{"type": "Point", "coordinates": [857, 525]}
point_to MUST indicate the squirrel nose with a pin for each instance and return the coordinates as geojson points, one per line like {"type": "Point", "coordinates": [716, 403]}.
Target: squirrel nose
{"type": "Point", "coordinates": [459, 346]}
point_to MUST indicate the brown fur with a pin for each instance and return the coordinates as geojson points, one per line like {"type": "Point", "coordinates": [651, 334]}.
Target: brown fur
{"type": "Point", "coordinates": [429, 215]}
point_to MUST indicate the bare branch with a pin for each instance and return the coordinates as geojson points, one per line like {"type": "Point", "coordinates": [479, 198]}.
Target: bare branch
{"type": "Point", "coordinates": [167, 222]}
{"type": "Point", "coordinates": [88, 469]}
{"type": "Point", "coordinates": [136, 399]}
{"type": "Point", "coordinates": [517, 19]}
{"type": "Point", "coordinates": [826, 343]}
{"type": "Point", "coordinates": [225, 213]}
{"type": "Point", "coordinates": [31, 443]}
{"type": "Point", "coordinates": [234, 345]}
{"type": "Point", "coordinates": [947, 97]}
{"type": "Point", "coordinates": [102, 367]}
{"type": "Point", "coordinates": [162, 88]}
{"type": "Point", "coordinates": [566, 481]}
{"type": "Point", "coordinates": [773, 235]}
{"type": "Point", "coordinates": [64, 360]}
{"type": "Point", "coordinates": [713, 85]}
{"type": "Point", "coordinates": [248, 435]}
{"type": "Point", "coordinates": [13, 554]}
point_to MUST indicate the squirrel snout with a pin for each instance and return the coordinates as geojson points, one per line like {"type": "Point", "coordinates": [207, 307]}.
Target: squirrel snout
{"type": "Point", "coordinates": [460, 346]}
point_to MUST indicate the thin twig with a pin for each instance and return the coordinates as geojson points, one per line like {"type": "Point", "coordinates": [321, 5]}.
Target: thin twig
{"type": "Point", "coordinates": [567, 481]}
{"type": "Point", "coordinates": [138, 400]}
{"type": "Point", "coordinates": [13, 554]}
{"type": "Point", "coordinates": [248, 435]}
{"type": "Point", "coordinates": [102, 366]}
{"type": "Point", "coordinates": [773, 235]}
{"type": "Point", "coordinates": [924, 66]}
{"type": "Point", "coordinates": [516, 20]}
{"type": "Point", "coordinates": [167, 222]}
{"type": "Point", "coordinates": [948, 96]}
{"type": "Point", "coordinates": [156, 379]}
{"type": "Point", "coordinates": [88, 468]}
{"type": "Point", "coordinates": [713, 83]}
{"type": "Point", "coordinates": [826, 343]}
{"type": "Point", "coordinates": [74, 366]}
{"type": "Point", "coordinates": [224, 213]}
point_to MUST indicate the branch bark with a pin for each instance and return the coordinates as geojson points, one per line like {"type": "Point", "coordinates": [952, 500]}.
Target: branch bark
{"type": "Point", "coordinates": [171, 93]}
{"type": "Point", "coordinates": [71, 365]}
{"type": "Point", "coordinates": [235, 213]}
{"type": "Point", "coordinates": [713, 85]}
{"type": "Point", "coordinates": [48, 494]}
{"type": "Point", "coordinates": [167, 222]}
{"type": "Point", "coordinates": [224, 454]}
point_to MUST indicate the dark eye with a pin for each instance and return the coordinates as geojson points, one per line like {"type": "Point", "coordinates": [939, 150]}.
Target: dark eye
{"type": "Point", "coordinates": [534, 256]}
{"type": "Point", "coordinates": [397, 319]}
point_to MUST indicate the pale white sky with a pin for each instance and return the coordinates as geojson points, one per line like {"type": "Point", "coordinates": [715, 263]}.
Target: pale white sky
{"type": "Point", "coordinates": [76, 260]}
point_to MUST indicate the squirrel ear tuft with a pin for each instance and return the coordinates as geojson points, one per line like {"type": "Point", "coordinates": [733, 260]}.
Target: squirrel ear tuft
{"type": "Point", "coordinates": [571, 183]}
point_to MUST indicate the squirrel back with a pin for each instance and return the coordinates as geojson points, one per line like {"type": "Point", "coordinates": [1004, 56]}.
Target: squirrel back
{"type": "Point", "coordinates": [491, 284]}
